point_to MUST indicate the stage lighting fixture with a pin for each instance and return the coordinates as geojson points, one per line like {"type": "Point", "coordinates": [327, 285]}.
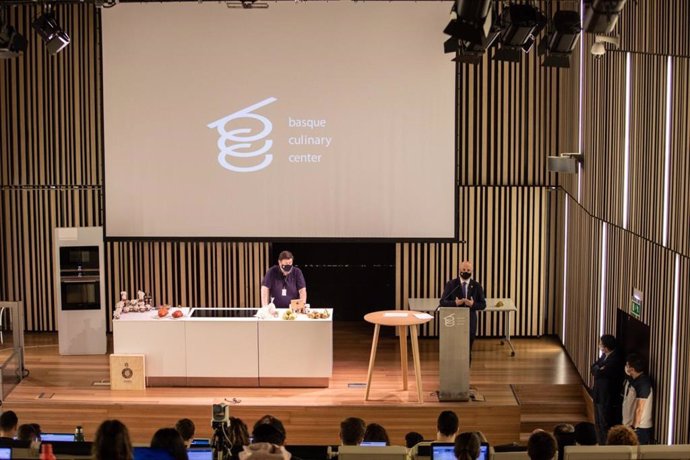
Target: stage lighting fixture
{"type": "Point", "coordinates": [52, 34]}
{"type": "Point", "coordinates": [11, 42]}
{"type": "Point", "coordinates": [520, 24]}
{"type": "Point", "coordinates": [561, 41]}
{"type": "Point", "coordinates": [601, 16]}
{"type": "Point", "coordinates": [471, 29]}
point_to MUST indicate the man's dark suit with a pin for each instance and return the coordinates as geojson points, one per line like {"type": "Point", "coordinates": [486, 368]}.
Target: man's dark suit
{"type": "Point", "coordinates": [475, 292]}
{"type": "Point", "coordinates": [608, 375]}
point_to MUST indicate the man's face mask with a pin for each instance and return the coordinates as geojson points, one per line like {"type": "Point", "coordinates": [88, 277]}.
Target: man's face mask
{"type": "Point", "coordinates": [286, 268]}
{"type": "Point", "coordinates": [465, 275]}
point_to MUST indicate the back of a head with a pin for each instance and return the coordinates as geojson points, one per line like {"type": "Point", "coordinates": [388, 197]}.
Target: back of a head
{"type": "Point", "coordinates": [376, 433]}
{"type": "Point", "coordinates": [27, 432]}
{"type": "Point", "coordinates": [621, 435]}
{"type": "Point", "coordinates": [352, 431]}
{"type": "Point", "coordinates": [263, 451]}
{"type": "Point", "coordinates": [112, 442]}
{"type": "Point", "coordinates": [186, 429]}
{"type": "Point", "coordinates": [169, 439]}
{"type": "Point", "coordinates": [8, 421]}
{"type": "Point", "coordinates": [267, 433]}
{"type": "Point", "coordinates": [585, 434]}
{"type": "Point", "coordinates": [412, 439]}
{"type": "Point", "coordinates": [238, 432]}
{"type": "Point", "coordinates": [467, 446]}
{"type": "Point", "coordinates": [447, 423]}
{"type": "Point", "coordinates": [275, 423]}
{"type": "Point", "coordinates": [609, 341]}
{"type": "Point", "coordinates": [541, 446]}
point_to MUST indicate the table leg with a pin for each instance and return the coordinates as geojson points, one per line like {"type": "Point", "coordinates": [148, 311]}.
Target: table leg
{"type": "Point", "coordinates": [372, 358]}
{"type": "Point", "coordinates": [510, 318]}
{"type": "Point", "coordinates": [402, 333]}
{"type": "Point", "coordinates": [417, 366]}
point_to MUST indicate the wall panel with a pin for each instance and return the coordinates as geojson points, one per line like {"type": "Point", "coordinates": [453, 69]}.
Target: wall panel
{"type": "Point", "coordinates": [679, 188]}
{"type": "Point", "coordinates": [505, 229]}
{"type": "Point", "coordinates": [656, 27]}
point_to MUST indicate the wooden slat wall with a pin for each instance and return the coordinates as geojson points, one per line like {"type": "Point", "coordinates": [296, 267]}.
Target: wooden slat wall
{"type": "Point", "coordinates": [636, 257]}
{"type": "Point", "coordinates": [679, 212]}
{"type": "Point", "coordinates": [506, 232]}
{"type": "Point", "coordinates": [656, 27]}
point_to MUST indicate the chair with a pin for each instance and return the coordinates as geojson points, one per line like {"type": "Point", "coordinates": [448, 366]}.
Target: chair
{"type": "Point", "coordinates": [372, 453]}
{"type": "Point", "coordinates": [421, 451]}
{"type": "Point", "coordinates": [599, 452]}
{"type": "Point", "coordinates": [306, 452]}
{"type": "Point", "coordinates": [511, 455]}
{"type": "Point", "coordinates": [677, 452]}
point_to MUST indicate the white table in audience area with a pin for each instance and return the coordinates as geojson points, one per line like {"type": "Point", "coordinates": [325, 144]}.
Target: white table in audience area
{"type": "Point", "coordinates": [228, 351]}
{"type": "Point", "coordinates": [508, 310]}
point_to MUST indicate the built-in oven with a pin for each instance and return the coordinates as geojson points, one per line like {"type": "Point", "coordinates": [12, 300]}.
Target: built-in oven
{"type": "Point", "coordinates": [80, 282]}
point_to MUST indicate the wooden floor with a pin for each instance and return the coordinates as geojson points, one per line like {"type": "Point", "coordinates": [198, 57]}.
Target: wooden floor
{"type": "Point", "coordinates": [537, 387]}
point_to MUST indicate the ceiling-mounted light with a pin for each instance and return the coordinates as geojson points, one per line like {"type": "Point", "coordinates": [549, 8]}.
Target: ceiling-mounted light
{"type": "Point", "coordinates": [598, 48]}
{"type": "Point", "coordinates": [471, 30]}
{"type": "Point", "coordinates": [11, 42]}
{"type": "Point", "coordinates": [561, 41]}
{"type": "Point", "coordinates": [50, 31]}
{"type": "Point", "coordinates": [521, 24]}
{"type": "Point", "coordinates": [601, 16]}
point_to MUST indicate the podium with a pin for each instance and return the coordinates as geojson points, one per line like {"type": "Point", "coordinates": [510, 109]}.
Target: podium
{"type": "Point", "coordinates": [454, 354]}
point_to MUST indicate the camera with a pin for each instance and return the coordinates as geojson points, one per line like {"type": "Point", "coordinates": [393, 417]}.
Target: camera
{"type": "Point", "coordinates": [220, 415]}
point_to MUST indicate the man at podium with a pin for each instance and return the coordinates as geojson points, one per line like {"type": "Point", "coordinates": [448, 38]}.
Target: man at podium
{"type": "Point", "coordinates": [465, 292]}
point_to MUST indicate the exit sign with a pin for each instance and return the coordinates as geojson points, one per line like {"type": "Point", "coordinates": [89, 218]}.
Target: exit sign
{"type": "Point", "coordinates": [636, 304]}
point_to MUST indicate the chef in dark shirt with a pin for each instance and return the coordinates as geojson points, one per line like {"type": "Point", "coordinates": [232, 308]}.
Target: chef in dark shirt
{"type": "Point", "coordinates": [283, 283]}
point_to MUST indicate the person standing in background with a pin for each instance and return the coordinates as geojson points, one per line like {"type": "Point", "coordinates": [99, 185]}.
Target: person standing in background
{"type": "Point", "coordinates": [608, 375]}
{"type": "Point", "coordinates": [283, 283]}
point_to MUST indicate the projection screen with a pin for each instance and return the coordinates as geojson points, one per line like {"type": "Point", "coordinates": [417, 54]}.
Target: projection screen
{"type": "Point", "coordinates": [302, 120]}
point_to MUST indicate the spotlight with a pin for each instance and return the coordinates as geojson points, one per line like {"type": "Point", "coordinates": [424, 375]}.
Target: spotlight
{"type": "Point", "coordinates": [521, 24]}
{"type": "Point", "coordinates": [11, 42]}
{"type": "Point", "coordinates": [471, 30]}
{"type": "Point", "coordinates": [560, 43]}
{"type": "Point", "coordinates": [52, 34]}
{"type": "Point", "coordinates": [601, 16]}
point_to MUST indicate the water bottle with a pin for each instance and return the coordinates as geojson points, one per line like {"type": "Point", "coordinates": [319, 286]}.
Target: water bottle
{"type": "Point", "coordinates": [47, 452]}
{"type": "Point", "coordinates": [79, 434]}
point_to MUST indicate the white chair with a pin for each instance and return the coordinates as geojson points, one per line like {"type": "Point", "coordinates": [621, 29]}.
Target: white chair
{"type": "Point", "coordinates": [373, 453]}
{"type": "Point", "coordinates": [660, 452]}
{"type": "Point", "coordinates": [599, 452]}
{"type": "Point", "coordinates": [425, 448]}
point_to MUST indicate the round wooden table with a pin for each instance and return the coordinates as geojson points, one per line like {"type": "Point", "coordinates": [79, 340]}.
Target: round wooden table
{"type": "Point", "coordinates": [402, 320]}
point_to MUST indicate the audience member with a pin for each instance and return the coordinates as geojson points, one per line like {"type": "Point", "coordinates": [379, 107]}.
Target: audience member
{"type": "Point", "coordinates": [8, 424]}
{"type": "Point", "coordinates": [279, 435]}
{"type": "Point", "coordinates": [169, 440]}
{"type": "Point", "coordinates": [621, 435]}
{"type": "Point", "coordinates": [376, 433]}
{"type": "Point", "coordinates": [447, 426]}
{"type": "Point", "coordinates": [541, 446]}
{"type": "Point", "coordinates": [565, 436]}
{"type": "Point", "coordinates": [37, 429]}
{"type": "Point", "coordinates": [608, 381]}
{"type": "Point", "coordinates": [112, 442]}
{"type": "Point", "coordinates": [238, 433]}
{"type": "Point", "coordinates": [467, 446]}
{"type": "Point", "coordinates": [412, 439]}
{"type": "Point", "coordinates": [186, 429]}
{"type": "Point", "coordinates": [264, 451]}
{"type": "Point", "coordinates": [27, 432]}
{"type": "Point", "coordinates": [585, 434]}
{"type": "Point", "coordinates": [637, 400]}
{"type": "Point", "coordinates": [352, 431]}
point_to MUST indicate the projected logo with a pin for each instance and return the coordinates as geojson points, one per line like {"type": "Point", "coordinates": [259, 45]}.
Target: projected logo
{"type": "Point", "coordinates": [241, 143]}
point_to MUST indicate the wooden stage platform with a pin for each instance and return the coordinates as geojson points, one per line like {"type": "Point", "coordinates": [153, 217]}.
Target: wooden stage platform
{"type": "Point", "coordinates": [537, 388]}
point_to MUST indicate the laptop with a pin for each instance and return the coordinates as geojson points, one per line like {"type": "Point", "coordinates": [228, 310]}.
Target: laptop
{"type": "Point", "coordinates": [201, 442]}
{"type": "Point", "coordinates": [200, 454]}
{"type": "Point", "coordinates": [373, 444]}
{"type": "Point", "coordinates": [446, 451]}
{"type": "Point", "coordinates": [5, 453]}
{"type": "Point", "coordinates": [57, 437]}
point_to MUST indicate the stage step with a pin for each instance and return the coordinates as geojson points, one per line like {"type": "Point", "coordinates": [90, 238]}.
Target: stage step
{"type": "Point", "coordinates": [544, 406]}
